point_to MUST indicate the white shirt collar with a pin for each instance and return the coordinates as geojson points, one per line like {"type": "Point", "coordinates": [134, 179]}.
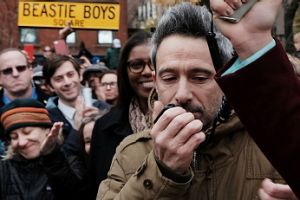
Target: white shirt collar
{"type": "Point", "coordinates": [67, 111]}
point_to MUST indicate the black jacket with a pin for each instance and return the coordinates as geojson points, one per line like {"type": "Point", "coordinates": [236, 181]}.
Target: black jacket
{"type": "Point", "coordinates": [55, 176]}
{"type": "Point", "coordinates": [42, 97]}
{"type": "Point", "coordinates": [72, 140]}
{"type": "Point", "coordinates": [108, 132]}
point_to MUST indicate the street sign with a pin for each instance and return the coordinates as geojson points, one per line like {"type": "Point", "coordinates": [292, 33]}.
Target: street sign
{"type": "Point", "coordinates": [57, 14]}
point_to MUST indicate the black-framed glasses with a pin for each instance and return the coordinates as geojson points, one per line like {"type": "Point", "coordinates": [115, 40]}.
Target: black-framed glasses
{"type": "Point", "coordinates": [138, 65]}
{"type": "Point", "coordinates": [9, 70]}
{"type": "Point", "coordinates": [111, 84]}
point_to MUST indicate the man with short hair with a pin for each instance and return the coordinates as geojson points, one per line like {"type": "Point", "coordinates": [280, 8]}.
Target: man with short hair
{"type": "Point", "coordinates": [194, 150]}
{"type": "Point", "coordinates": [109, 86]}
{"type": "Point", "coordinates": [62, 74]}
{"type": "Point", "coordinates": [16, 78]}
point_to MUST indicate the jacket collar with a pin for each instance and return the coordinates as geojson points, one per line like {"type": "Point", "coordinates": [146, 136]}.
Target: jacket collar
{"type": "Point", "coordinates": [115, 117]}
{"type": "Point", "coordinates": [228, 141]}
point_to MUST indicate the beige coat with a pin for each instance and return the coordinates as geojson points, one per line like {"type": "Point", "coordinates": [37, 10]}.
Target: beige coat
{"type": "Point", "coordinates": [231, 168]}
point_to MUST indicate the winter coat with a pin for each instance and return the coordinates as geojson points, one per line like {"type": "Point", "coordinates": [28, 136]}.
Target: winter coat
{"type": "Point", "coordinates": [72, 140]}
{"type": "Point", "coordinates": [54, 176]}
{"type": "Point", "coordinates": [266, 96]}
{"type": "Point", "coordinates": [229, 167]}
{"type": "Point", "coordinates": [108, 132]}
{"type": "Point", "coordinates": [42, 97]}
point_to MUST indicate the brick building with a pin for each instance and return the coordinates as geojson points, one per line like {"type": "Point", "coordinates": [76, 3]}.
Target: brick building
{"type": "Point", "coordinates": [13, 36]}
{"type": "Point", "coordinates": [134, 15]}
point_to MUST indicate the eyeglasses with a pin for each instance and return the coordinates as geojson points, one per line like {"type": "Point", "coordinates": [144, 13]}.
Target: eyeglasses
{"type": "Point", "coordinates": [138, 65]}
{"type": "Point", "coordinates": [9, 70]}
{"type": "Point", "coordinates": [111, 84]}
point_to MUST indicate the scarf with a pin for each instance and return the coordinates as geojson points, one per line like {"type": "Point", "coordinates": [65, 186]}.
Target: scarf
{"type": "Point", "coordinates": [138, 121]}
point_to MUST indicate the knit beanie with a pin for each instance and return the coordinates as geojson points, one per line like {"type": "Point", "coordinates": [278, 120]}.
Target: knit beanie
{"type": "Point", "coordinates": [22, 113]}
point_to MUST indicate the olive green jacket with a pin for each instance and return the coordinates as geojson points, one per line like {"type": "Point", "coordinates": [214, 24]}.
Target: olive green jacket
{"type": "Point", "coordinates": [231, 167]}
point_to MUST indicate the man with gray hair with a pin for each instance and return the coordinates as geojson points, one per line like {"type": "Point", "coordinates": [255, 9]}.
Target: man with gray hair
{"type": "Point", "coordinates": [196, 149]}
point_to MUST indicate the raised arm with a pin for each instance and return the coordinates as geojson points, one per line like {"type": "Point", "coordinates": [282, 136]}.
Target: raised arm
{"type": "Point", "coordinates": [265, 93]}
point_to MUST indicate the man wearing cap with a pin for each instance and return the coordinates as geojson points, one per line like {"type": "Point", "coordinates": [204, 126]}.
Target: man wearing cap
{"type": "Point", "coordinates": [39, 80]}
{"type": "Point", "coordinates": [35, 166]}
{"type": "Point", "coordinates": [112, 54]}
{"type": "Point", "coordinates": [92, 76]}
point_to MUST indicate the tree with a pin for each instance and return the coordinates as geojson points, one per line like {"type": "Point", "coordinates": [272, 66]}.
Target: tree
{"type": "Point", "coordinates": [8, 19]}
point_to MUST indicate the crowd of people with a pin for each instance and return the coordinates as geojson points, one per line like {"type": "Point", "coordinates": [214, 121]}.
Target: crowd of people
{"type": "Point", "coordinates": [153, 121]}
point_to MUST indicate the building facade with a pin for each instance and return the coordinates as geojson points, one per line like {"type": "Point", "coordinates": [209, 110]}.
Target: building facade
{"type": "Point", "coordinates": [134, 15]}
{"type": "Point", "coordinates": [96, 41]}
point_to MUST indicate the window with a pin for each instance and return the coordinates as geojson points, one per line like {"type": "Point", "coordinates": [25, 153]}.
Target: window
{"type": "Point", "coordinates": [28, 35]}
{"type": "Point", "coordinates": [105, 37]}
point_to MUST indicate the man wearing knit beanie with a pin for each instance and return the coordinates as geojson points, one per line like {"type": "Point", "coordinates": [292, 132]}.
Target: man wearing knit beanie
{"type": "Point", "coordinates": [35, 166]}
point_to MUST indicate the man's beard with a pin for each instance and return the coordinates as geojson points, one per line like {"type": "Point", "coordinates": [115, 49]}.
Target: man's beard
{"type": "Point", "coordinates": [200, 113]}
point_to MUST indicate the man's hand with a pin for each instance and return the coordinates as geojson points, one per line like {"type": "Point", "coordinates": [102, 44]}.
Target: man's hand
{"type": "Point", "coordinates": [273, 191]}
{"type": "Point", "coordinates": [52, 139]}
{"type": "Point", "coordinates": [175, 136]}
{"type": "Point", "coordinates": [64, 32]}
{"type": "Point", "coordinates": [254, 30]}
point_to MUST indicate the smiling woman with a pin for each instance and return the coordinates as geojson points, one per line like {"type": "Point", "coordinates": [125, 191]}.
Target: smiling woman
{"type": "Point", "coordinates": [28, 172]}
{"type": "Point", "coordinates": [131, 114]}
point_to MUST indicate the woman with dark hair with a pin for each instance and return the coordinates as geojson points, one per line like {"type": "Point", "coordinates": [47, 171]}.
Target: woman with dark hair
{"type": "Point", "coordinates": [131, 114]}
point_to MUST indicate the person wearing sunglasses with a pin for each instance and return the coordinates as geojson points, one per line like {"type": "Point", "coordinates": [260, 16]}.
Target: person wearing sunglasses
{"type": "Point", "coordinates": [16, 79]}
{"type": "Point", "coordinates": [131, 113]}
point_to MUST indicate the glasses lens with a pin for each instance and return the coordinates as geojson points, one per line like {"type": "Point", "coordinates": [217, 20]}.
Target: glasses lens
{"type": "Point", "coordinates": [111, 84]}
{"type": "Point", "coordinates": [136, 66]}
{"type": "Point", "coordinates": [7, 71]}
{"type": "Point", "coordinates": [21, 68]}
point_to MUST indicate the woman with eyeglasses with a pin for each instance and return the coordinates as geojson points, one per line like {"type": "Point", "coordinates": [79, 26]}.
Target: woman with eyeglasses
{"type": "Point", "coordinates": [131, 114]}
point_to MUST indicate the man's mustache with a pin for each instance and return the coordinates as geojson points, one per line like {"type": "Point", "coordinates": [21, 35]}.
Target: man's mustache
{"type": "Point", "coordinates": [192, 108]}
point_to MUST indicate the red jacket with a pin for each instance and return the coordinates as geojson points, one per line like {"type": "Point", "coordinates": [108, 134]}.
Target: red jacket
{"type": "Point", "coordinates": [266, 97]}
